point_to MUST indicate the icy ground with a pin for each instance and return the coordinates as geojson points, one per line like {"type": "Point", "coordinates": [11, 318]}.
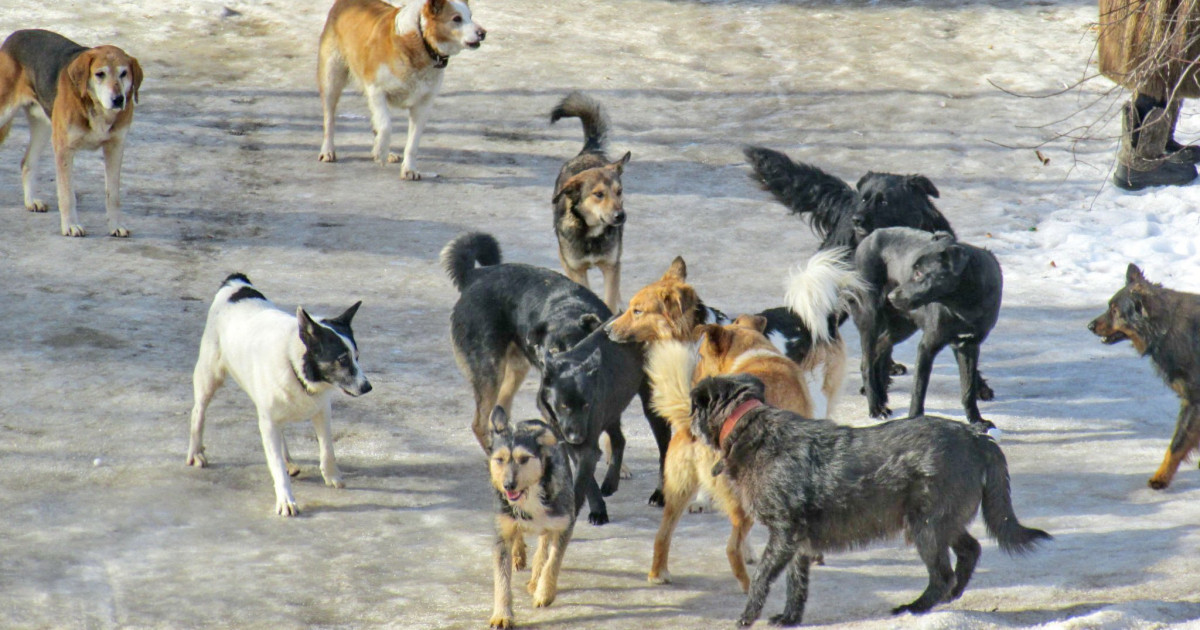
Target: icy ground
{"type": "Point", "coordinates": [102, 525]}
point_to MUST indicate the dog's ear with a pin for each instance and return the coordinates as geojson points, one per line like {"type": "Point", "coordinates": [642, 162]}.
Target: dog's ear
{"type": "Point", "coordinates": [589, 322]}
{"type": "Point", "coordinates": [753, 322]}
{"type": "Point", "coordinates": [570, 190]}
{"type": "Point", "coordinates": [923, 184]}
{"type": "Point", "coordinates": [344, 318]}
{"type": "Point", "coordinates": [956, 258]}
{"type": "Point", "coordinates": [677, 270]}
{"type": "Point", "coordinates": [135, 68]}
{"type": "Point", "coordinates": [862, 180]}
{"type": "Point", "coordinates": [499, 420]}
{"type": "Point", "coordinates": [1133, 275]}
{"type": "Point", "coordinates": [719, 339]}
{"type": "Point", "coordinates": [546, 438]}
{"type": "Point", "coordinates": [619, 165]}
{"type": "Point", "coordinates": [436, 6]}
{"type": "Point", "coordinates": [537, 336]}
{"type": "Point", "coordinates": [79, 73]}
{"type": "Point", "coordinates": [308, 327]}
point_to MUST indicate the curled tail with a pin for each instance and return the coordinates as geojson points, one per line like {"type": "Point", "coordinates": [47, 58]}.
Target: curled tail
{"type": "Point", "coordinates": [827, 285]}
{"type": "Point", "coordinates": [998, 515]}
{"type": "Point", "coordinates": [669, 365]}
{"type": "Point", "coordinates": [589, 112]}
{"type": "Point", "coordinates": [460, 255]}
{"type": "Point", "coordinates": [802, 188]}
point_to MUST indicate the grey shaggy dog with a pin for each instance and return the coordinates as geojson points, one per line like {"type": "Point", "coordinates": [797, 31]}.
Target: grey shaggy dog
{"type": "Point", "coordinates": [819, 487]}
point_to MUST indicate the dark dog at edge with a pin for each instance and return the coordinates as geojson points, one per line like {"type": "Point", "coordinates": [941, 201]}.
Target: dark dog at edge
{"type": "Point", "coordinates": [1161, 324]}
{"type": "Point", "coordinates": [818, 486]}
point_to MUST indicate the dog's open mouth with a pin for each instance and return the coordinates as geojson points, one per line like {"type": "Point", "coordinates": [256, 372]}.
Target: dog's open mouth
{"type": "Point", "coordinates": [514, 496]}
{"type": "Point", "coordinates": [1114, 337]}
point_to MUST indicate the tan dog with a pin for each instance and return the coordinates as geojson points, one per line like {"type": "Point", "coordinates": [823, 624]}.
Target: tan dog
{"type": "Point", "coordinates": [738, 348]}
{"type": "Point", "coordinates": [399, 55]}
{"type": "Point", "coordinates": [78, 98]}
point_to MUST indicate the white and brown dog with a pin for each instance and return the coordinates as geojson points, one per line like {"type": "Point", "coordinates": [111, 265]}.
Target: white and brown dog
{"type": "Point", "coordinates": [81, 99]}
{"type": "Point", "coordinates": [399, 55]}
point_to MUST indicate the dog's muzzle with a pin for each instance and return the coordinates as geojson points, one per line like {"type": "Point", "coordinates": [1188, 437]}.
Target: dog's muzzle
{"type": "Point", "coordinates": [359, 389]}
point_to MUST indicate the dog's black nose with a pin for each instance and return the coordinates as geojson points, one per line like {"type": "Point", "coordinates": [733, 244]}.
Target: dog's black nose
{"type": "Point", "coordinates": [482, 34]}
{"type": "Point", "coordinates": [619, 217]}
{"type": "Point", "coordinates": [366, 387]}
{"type": "Point", "coordinates": [118, 100]}
{"type": "Point", "coordinates": [1092, 325]}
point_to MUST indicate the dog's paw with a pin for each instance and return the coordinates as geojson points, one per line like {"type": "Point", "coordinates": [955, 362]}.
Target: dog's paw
{"type": "Point", "coordinates": [1158, 483]}
{"type": "Point", "coordinates": [656, 499]}
{"type": "Point", "coordinates": [73, 229]}
{"type": "Point", "coordinates": [626, 473]}
{"type": "Point", "coordinates": [700, 505]}
{"type": "Point", "coordinates": [544, 599]}
{"type": "Point", "coordinates": [335, 482]}
{"type": "Point", "coordinates": [293, 469]}
{"type": "Point", "coordinates": [119, 231]}
{"type": "Point", "coordinates": [197, 459]}
{"type": "Point", "coordinates": [897, 369]}
{"type": "Point", "coordinates": [659, 578]}
{"type": "Point", "coordinates": [608, 489]}
{"type": "Point", "coordinates": [414, 176]}
{"type": "Point", "coordinates": [37, 205]}
{"type": "Point", "coordinates": [984, 392]}
{"type": "Point", "coordinates": [785, 620]}
{"type": "Point", "coordinates": [598, 518]}
{"type": "Point", "coordinates": [286, 507]}
{"type": "Point", "coordinates": [327, 156]}
{"type": "Point", "coordinates": [745, 622]}
{"type": "Point", "coordinates": [880, 411]}
{"type": "Point", "coordinates": [392, 158]}
{"type": "Point", "coordinates": [500, 621]}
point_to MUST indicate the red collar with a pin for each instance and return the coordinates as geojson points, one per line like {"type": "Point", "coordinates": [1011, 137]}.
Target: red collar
{"type": "Point", "coordinates": [733, 418]}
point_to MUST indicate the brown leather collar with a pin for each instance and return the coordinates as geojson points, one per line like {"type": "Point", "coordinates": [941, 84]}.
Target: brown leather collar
{"type": "Point", "coordinates": [733, 418]}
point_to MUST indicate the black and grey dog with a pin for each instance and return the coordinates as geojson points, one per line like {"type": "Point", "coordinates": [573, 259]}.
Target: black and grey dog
{"type": "Point", "coordinates": [948, 289]}
{"type": "Point", "coordinates": [818, 486]}
{"type": "Point", "coordinates": [839, 214]}
{"type": "Point", "coordinates": [508, 318]}
{"type": "Point", "coordinates": [532, 478]}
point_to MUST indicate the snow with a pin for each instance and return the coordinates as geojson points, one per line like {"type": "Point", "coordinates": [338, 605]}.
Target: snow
{"type": "Point", "coordinates": [102, 525]}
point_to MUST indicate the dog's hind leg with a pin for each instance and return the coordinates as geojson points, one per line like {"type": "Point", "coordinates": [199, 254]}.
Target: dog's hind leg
{"type": "Point", "coordinates": [679, 482]}
{"type": "Point", "coordinates": [329, 467]}
{"type": "Point", "coordinates": [966, 553]}
{"type": "Point", "coordinates": [835, 373]}
{"type": "Point", "coordinates": [935, 552]}
{"type": "Point", "coordinates": [662, 436]}
{"type": "Point", "coordinates": [332, 75]}
{"type": "Point", "coordinates": [39, 137]}
{"type": "Point", "coordinates": [1186, 438]}
{"type": "Point", "coordinates": [612, 478]}
{"type": "Point", "coordinates": [272, 438]}
{"type": "Point", "coordinates": [736, 546]}
{"type": "Point", "coordinates": [967, 355]}
{"type": "Point", "coordinates": [515, 367]}
{"type": "Point", "coordinates": [292, 468]}
{"type": "Point", "coordinates": [797, 591]}
{"type": "Point", "coordinates": [207, 378]}
{"type": "Point", "coordinates": [781, 549]}
{"type": "Point", "coordinates": [502, 615]}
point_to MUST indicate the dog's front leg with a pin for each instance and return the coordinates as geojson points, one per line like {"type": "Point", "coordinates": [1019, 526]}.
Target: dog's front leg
{"type": "Point", "coordinates": [1186, 438]}
{"type": "Point", "coordinates": [967, 355]}
{"type": "Point", "coordinates": [612, 477]}
{"type": "Point", "coordinates": [418, 114]}
{"type": "Point", "coordinates": [612, 284]}
{"type": "Point", "coordinates": [781, 548]}
{"type": "Point", "coordinates": [64, 161]}
{"type": "Point", "coordinates": [381, 123]}
{"type": "Point", "coordinates": [114, 152]}
{"type": "Point", "coordinates": [272, 437]}
{"type": "Point", "coordinates": [547, 588]}
{"type": "Point", "coordinates": [39, 137]}
{"type": "Point", "coordinates": [207, 378]}
{"type": "Point", "coordinates": [329, 467]}
{"type": "Point", "coordinates": [927, 349]}
{"type": "Point", "coordinates": [539, 562]}
{"type": "Point", "coordinates": [586, 486]}
{"type": "Point", "coordinates": [502, 615]}
{"type": "Point", "coordinates": [876, 354]}
{"type": "Point", "coordinates": [662, 436]}
{"type": "Point", "coordinates": [797, 591]}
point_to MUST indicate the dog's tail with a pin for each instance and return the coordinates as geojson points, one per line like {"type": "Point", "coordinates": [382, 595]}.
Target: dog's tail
{"type": "Point", "coordinates": [669, 365]}
{"type": "Point", "coordinates": [998, 515]}
{"type": "Point", "coordinates": [460, 256]}
{"type": "Point", "coordinates": [826, 286]}
{"type": "Point", "coordinates": [589, 112]}
{"type": "Point", "coordinates": [802, 188]}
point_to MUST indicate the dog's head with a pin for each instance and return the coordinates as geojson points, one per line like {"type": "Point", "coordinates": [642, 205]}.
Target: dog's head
{"type": "Point", "coordinates": [565, 395]}
{"type": "Point", "coordinates": [886, 200]}
{"type": "Point", "coordinates": [665, 309]}
{"type": "Point", "coordinates": [520, 455]}
{"type": "Point", "coordinates": [449, 28]}
{"type": "Point", "coordinates": [106, 76]}
{"type": "Point", "coordinates": [720, 346]}
{"type": "Point", "coordinates": [596, 196]}
{"type": "Point", "coordinates": [330, 354]}
{"type": "Point", "coordinates": [935, 273]}
{"type": "Point", "coordinates": [1128, 312]}
{"type": "Point", "coordinates": [715, 397]}
{"type": "Point", "coordinates": [559, 334]}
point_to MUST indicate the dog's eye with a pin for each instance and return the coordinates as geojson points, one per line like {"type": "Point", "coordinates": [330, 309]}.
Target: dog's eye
{"type": "Point", "coordinates": [524, 459]}
{"type": "Point", "coordinates": [123, 73]}
{"type": "Point", "coordinates": [599, 194]}
{"type": "Point", "coordinates": [637, 312]}
{"type": "Point", "coordinates": [458, 19]}
{"type": "Point", "coordinates": [100, 74]}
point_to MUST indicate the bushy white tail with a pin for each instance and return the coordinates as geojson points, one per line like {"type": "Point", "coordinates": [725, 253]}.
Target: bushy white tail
{"type": "Point", "coordinates": [669, 365]}
{"type": "Point", "coordinates": [823, 287]}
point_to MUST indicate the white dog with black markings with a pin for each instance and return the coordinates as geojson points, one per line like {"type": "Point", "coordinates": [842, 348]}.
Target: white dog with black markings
{"type": "Point", "coordinates": [290, 367]}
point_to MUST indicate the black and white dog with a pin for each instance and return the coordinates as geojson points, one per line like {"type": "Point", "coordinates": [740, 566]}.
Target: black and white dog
{"type": "Point", "coordinates": [289, 366]}
{"type": "Point", "coordinates": [948, 289]}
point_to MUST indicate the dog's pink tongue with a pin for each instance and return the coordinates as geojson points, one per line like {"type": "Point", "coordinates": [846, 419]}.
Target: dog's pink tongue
{"type": "Point", "coordinates": [512, 496]}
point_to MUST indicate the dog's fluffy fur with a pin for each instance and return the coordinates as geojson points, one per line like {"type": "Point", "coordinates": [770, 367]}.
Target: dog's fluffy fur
{"type": "Point", "coordinates": [510, 317]}
{"type": "Point", "coordinates": [589, 206]}
{"type": "Point", "coordinates": [77, 98]}
{"type": "Point", "coordinates": [932, 282]}
{"type": "Point", "coordinates": [531, 475]}
{"type": "Point", "coordinates": [290, 366]}
{"type": "Point", "coordinates": [399, 56]}
{"type": "Point", "coordinates": [818, 487]}
{"type": "Point", "coordinates": [1161, 324]}
{"type": "Point", "coordinates": [842, 215]}
{"type": "Point", "coordinates": [738, 348]}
